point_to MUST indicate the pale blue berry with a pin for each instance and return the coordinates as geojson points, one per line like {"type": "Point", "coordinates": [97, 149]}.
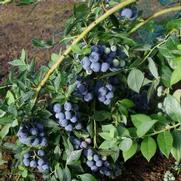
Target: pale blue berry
{"type": "Point", "coordinates": [68, 106]}
{"type": "Point", "coordinates": [57, 108]}
{"type": "Point", "coordinates": [104, 67]}
{"type": "Point", "coordinates": [94, 57]}
{"type": "Point", "coordinates": [33, 164]}
{"type": "Point", "coordinates": [95, 67]}
{"type": "Point", "coordinates": [73, 119]}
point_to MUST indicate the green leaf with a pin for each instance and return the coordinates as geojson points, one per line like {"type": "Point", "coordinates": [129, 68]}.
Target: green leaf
{"type": "Point", "coordinates": [2, 113]}
{"type": "Point", "coordinates": [73, 157]}
{"type": "Point", "coordinates": [148, 147]}
{"type": "Point", "coordinates": [58, 172]}
{"type": "Point", "coordinates": [20, 64]}
{"type": "Point", "coordinates": [24, 173]}
{"type": "Point", "coordinates": [108, 144]}
{"type": "Point", "coordinates": [76, 49]}
{"type": "Point", "coordinates": [143, 123]}
{"type": "Point", "coordinates": [153, 68]}
{"type": "Point", "coordinates": [172, 108]}
{"type": "Point", "coordinates": [135, 80]}
{"type": "Point", "coordinates": [165, 142]}
{"type": "Point", "coordinates": [177, 95]}
{"type": "Point", "coordinates": [40, 43]}
{"type": "Point", "coordinates": [126, 144]}
{"type": "Point", "coordinates": [101, 115]}
{"type": "Point", "coordinates": [176, 76]}
{"type": "Point", "coordinates": [176, 150]}
{"type": "Point", "coordinates": [87, 177]}
{"type": "Point", "coordinates": [129, 153]}
{"type": "Point", "coordinates": [5, 130]}
{"type": "Point", "coordinates": [10, 97]}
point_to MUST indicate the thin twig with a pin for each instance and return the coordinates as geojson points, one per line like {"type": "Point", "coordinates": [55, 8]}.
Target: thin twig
{"type": "Point", "coordinates": [162, 12]}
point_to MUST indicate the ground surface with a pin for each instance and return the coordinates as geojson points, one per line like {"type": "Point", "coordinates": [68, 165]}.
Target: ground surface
{"type": "Point", "coordinates": [18, 25]}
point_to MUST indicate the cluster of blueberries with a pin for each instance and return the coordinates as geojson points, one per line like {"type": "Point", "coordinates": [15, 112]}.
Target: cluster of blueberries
{"type": "Point", "coordinates": [87, 91]}
{"type": "Point", "coordinates": [67, 116]}
{"type": "Point", "coordinates": [97, 163]}
{"type": "Point", "coordinates": [32, 134]}
{"type": "Point", "coordinates": [101, 59]}
{"type": "Point", "coordinates": [105, 94]}
{"type": "Point", "coordinates": [36, 159]}
{"type": "Point", "coordinates": [84, 90]}
{"type": "Point", "coordinates": [80, 143]}
{"type": "Point", "coordinates": [94, 161]}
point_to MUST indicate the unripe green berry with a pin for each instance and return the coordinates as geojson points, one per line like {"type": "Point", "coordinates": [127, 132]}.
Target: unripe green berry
{"type": "Point", "coordinates": [107, 50]}
{"type": "Point", "coordinates": [160, 105]}
{"type": "Point", "coordinates": [116, 62]}
{"type": "Point", "coordinates": [122, 63]}
{"type": "Point", "coordinates": [113, 48]}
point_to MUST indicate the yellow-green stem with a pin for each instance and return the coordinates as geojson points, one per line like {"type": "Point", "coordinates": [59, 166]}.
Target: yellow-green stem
{"type": "Point", "coordinates": [165, 129]}
{"type": "Point", "coordinates": [162, 12]}
{"type": "Point", "coordinates": [78, 39]}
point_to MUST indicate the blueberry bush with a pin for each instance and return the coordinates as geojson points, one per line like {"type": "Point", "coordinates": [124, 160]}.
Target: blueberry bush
{"type": "Point", "coordinates": [110, 93]}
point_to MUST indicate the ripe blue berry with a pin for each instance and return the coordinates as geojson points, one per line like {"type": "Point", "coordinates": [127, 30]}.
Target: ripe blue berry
{"type": "Point", "coordinates": [26, 155]}
{"type": "Point", "coordinates": [63, 122]}
{"type": "Point", "coordinates": [73, 119]}
{"type": "Point", "coordinates": [45, 167]}
{"type": "Point", "coordinates": [96, 157]}
{"type": "Point", "coordinates": [101, 98]}
{"type": "Point", "coordinates": [68, 115]}
{"type": "Point", "coordinates": [85, 62]}
{"type": "Point", "coordinates": [35, 142]}
{"type": "Point", "coordinates": [33, 164]}
{"type": "Point", "coordinates": [41, 152]}
{"type": "Point", "coordinates": [102, 91]}
{"type": "Point", "coordinates": [82, 89]}
{"type": "Point", "coordinates": [104, 67]}
{"type": "Point", "coordinates": [94, 168]}
{"type": "Point", "coordinates": [109, 95]}
{"type": "Point", "coordinates": [99, 163]}
{"type": "Point", "coordinates": [95, 67]}
{"type": "Point", "coordinates": [78, 126]}
{"type": "Point", "coordinates": [107, 102]}
{"type": "Point", "coordinates": [90, 163]}
{"type": "Point", "coordinates": [67, 106]}
{"type": "Point", "coordinates": [83, 144]}
{"type": "Point", "coordinates": [109, 87]}
{"type": "Point", "coordinates": [26, 162]}
{"type": "Point", "coordinates": [94, 57]}
{"type": "Point", "coordinates": [88, 97]}
{"type": "Point", "coordinates": [69, 127]}
{"type": "Point", "coordinates": [57, 108]}
{"type": "Point", "coordinates": [33, 131]}
{"type": "Point", "coordinates": [44, 142]}
{"type": "Point", "coordinates": [60, 116]}
{"type": "Point", "coordinates": [40, 162]}
{"type": "Point", "coordinates": [127, 13]}
{"type": "Point", "coordinates": [89, 152]}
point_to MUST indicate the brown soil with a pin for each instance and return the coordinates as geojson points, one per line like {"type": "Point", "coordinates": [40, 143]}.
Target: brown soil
{"type": "Point", "coordinates": [138, 169]}
{"type": "Point", "coordinates": [18, 25]}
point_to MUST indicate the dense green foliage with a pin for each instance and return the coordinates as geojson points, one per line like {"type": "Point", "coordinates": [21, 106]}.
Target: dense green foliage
{"type": "Point", "coordinates": [142, 114]}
